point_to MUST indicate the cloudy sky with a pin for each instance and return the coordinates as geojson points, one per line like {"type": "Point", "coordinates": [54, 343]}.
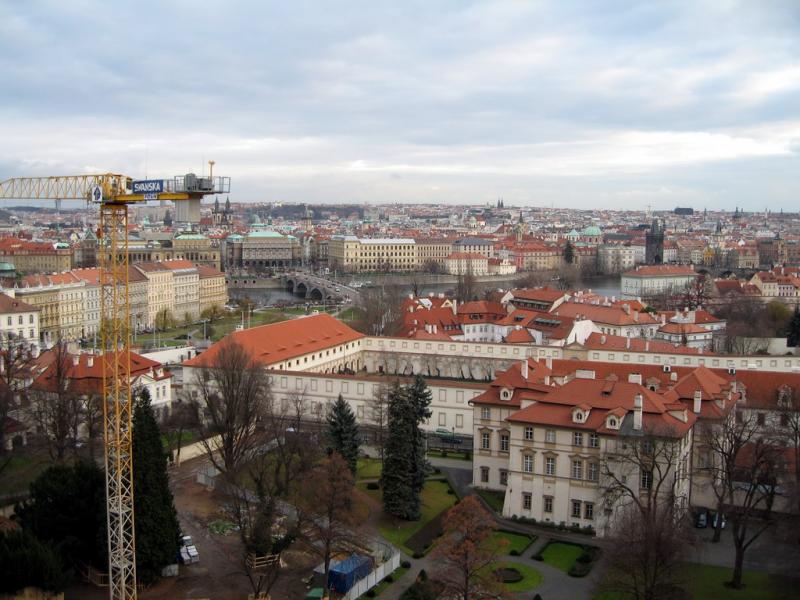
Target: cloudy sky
{"type": "Point", "coordinates": [583, 104]}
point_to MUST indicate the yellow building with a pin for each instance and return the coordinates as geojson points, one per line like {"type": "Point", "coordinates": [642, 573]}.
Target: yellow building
{"type": "Point", "coordinates": [213, 290]}
{"type": "Point", "coordinates": [366, 254]}
{"type": "Point", "coordinates": [431, 251]}
{"type": "Point", "coordinates": [197, 248]}
{"type": "Point", "coordinates": [36, 257]}
{"type": "Point", "coordinates": [160, 290]}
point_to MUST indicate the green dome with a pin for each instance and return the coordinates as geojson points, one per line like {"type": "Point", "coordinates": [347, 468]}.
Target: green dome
{"type": "Point", "coordinates": [592, 230]}
{"type": "Point", "coordinates": [7, 266]}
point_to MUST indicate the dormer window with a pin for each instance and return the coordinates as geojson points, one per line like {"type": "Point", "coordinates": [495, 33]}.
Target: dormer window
{"type": "Point", "coordinates": [612, 422]}
{"type": "Point", "coordinates": [505, 394]}
{"type": "Point", "coordinates": [577, 416]}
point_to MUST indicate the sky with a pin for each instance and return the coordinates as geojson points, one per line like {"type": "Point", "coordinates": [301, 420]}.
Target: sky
{"type": "Point", "coordinates": [588, 104]}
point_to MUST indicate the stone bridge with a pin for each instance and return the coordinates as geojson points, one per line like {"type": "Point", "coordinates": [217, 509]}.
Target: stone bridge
{"type": "Point", "coordinates": [312, 287]}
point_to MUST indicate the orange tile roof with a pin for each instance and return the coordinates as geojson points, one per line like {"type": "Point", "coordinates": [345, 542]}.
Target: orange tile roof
{"type": "Point", "coordinates": [274, 343]}
{"type": "Point", "coordinates": [13, 305]}
{"type": "Point", "coordinates": [86, 378]}
{"type": "Point", "coordinates": [601, 341]}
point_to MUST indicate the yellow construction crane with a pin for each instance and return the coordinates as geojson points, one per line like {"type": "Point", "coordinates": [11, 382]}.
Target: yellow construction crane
{"type": "Point", "coordinates": [113, 193]}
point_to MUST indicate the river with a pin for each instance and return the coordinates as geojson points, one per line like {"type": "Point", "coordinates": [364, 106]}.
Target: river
{"type": "Point", "coordinates": [607, 285]}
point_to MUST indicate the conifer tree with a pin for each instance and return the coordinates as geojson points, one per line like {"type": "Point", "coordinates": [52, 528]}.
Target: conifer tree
{"type": "Point", "coordinates": [397, 465]}
{"type": "Point", "coordinates": [343, 432]}
{"type": "Point", "coordinates": [419, 398]}
{"type": "Point", "coordinates": [793, 339]}
{"type": "Point", "coordinates": [156, 523]}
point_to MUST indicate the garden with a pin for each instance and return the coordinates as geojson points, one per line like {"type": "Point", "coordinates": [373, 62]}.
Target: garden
{"type": "Point", "coordinates": [576, 560]}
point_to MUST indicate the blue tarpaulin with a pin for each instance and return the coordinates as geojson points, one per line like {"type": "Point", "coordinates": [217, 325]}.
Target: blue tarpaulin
{"type": "Point", "coordinates": [344, 574]}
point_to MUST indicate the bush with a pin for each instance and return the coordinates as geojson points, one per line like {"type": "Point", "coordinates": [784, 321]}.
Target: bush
{"type": "Point", "coordinates": [585, 558]}
{"type": "Point", "coordinates": [444, 453]}
{"type": "Point", "coordinates": [370, 594]}
{"type": "Point", "coordinates": [579, 569]}
{"type": "Point", "coordinates": [514, 552]}
{"type": "Point", "coordinates": [405, 564]}
{"type": "Point", "coordinates": [373, 485]}
{"type": "Point", "coordinates": [450, 491]}
{"type": "Point", "coordinates": [437, 471]}
{"type": "Point", "coordinates": [417, 554]}
{"type": "Point", "coordinates": [389, 578]}
{"type": "Point", "coordinates": [423, 575]}
{"type": "Point", "coordinates": [468, 455]}
{"type": "Point", "coordinates": [538, 556]}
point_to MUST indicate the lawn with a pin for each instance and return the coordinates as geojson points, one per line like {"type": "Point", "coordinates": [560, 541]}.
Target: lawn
{"type": "Point", "coordinates": [709, 582]}
{"type": "Point", "coordinates": [531, 578]}
{"type": "Point", "coordinates": [516, 541]}
{"type": "Point", "coordinates": [368, 468]}
{"type": "Point", "coordinates": [434, 499]}
{"type": "Point", "coordinates": [704, 581]}
{"type": "Point", "coordinates": [493, 498]}
{"type": "Point", "coordinates": [561, 555]}
{"type": "Point", "coordinates": [350, 314]}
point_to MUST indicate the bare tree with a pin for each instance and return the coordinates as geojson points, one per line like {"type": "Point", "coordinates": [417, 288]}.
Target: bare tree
{"type": "Point", "coordinates": [642, 481]}
{"type": "Point", "coordinates": [696, 292]}
{"type": "Point", "coordinates": [466, 284]}
{"type": "Point", "coordinates": [747, 468]}
{"type": "Point", "coordinates": [292, 438]}
{"type": "Point", "coordinates": [378, 405]}
{"type": "Point", "coordinates": [789, 434]}
{"type": "Point", "coordinates": [56, 405]}
{"type": "Point", "coordinates": [645, 554]}
{"type": "Point", "coordinates": [381, 310]}
{"type": "Point", "coordinates": [324, 501]}
{"type": "Point", "coordinates": [183, 417]}
{"type": "Point", "coordinates": [234, 392]}
{"type": "Point", "coordinates": [466, 553]}
{"type": "Point", "coordinates": [15, 363]}
{"type": "Point", "coordinates": [92, 412]}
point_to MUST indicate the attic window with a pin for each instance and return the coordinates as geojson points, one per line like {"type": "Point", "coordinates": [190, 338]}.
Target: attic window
{"type": "Point", "coordinates": [505, 394]}
{"type": "Point", "coordinates": [612, 423]}
{"type": "Point", "coordinates": [578, 416]}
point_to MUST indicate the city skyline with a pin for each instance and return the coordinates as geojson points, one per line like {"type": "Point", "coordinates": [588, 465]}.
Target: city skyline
{"type": "Point", "coordinates": [459, 103]}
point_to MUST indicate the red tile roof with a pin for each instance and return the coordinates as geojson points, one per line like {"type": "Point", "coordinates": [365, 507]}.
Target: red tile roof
{"type": "Point", "coordinates": [13, 305]}
{"type": "Point", "coordinates": [274, 343]}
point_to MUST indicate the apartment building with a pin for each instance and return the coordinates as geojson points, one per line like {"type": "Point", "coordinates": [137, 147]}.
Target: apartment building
{"type": "Point", "coordinates": [160, 290]}
{"type": "Point", "coordinates": [372, 254]}
{"type": "Point", "coordinates": [36, 257]}
{"type": "Point", "coordinates": [213, 291]}
{"type": "Point", "coordinates": [463, 263]}
{"type": "Point", "coordinates": [430, 250]}
{"type": "Point", "coordinates": [19, 322]}
{"type": "Point", "coordinates": [197, 248]}
{"type": "Point", "coordinates": [186, 282]}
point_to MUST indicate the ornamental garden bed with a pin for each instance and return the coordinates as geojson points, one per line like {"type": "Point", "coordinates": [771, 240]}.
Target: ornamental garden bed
{"type": "Point", "coordinates": [576, 560]}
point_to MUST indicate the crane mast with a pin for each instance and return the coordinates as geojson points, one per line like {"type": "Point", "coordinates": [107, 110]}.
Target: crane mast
{"type": "Point", "coordinates": [112, 192]}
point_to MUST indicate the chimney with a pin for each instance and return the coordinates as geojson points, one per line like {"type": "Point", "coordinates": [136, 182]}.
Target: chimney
{"type": "Point", "coordinates": [549, 362]}
{"type": "Point", "coordinates": [76, 359]}
{"type": "Point", "coordinates": [627, 343]}
{"type": "Point", "coordinates": [90, 360]}
{"type": "Point", "coordinates": [435, 328]}
{"type": "Point", "coordinates": [647, 345]}
{"type": "Point", "coordinates": [524, 368]}
{"type": "Point", "coordinates": [637, 412]}
{"type": "Point", "coordinates": [626, 308]}
{"type": "Point", "coordinates": [673, 376]}
{"type": "Point", "coordinates": [602, 339]}
{"type": "Point", "coordinates": [698, 397]}
{"type": "Point", "coordinates": [635, 378]}
{"type": "Point", "coordinates": [636, 316]}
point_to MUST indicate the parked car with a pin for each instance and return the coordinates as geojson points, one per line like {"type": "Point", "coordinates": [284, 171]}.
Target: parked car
{"type": "Point", "coordinates": [188, 551]}
{"type": "Point", "coordinates": [701, 521]}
